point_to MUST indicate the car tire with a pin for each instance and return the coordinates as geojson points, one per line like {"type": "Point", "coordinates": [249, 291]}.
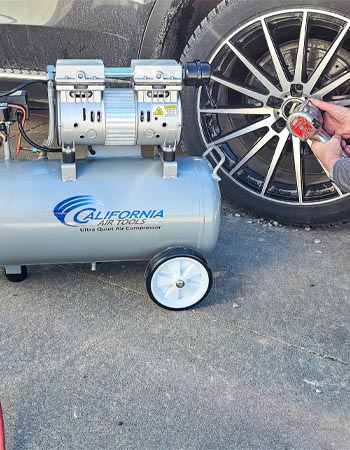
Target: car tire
{"type": "Point", "coordinates": [255, 49]}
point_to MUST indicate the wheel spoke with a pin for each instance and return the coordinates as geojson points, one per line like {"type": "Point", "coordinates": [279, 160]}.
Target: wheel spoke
{"type": "Point", "coordinates": [188, 291]}
{"type": "Point", "coordinates": [298, 167]}
{"type": "Point", "coordinates": [239, 110]}
{"type": "Point", "coordinates": [279, 148]}
{"type": "Point", "coordinates": [253, 127]}
{"type": "Point", "coordinates": [193, 283]}
{"type": "Point", "coordinates": [329, 87]}
{"type": "Point", "coordinates": [325, 60]}
{"type": "Point", "coordinates": [277, 58]}
{"type": "Point", "coordinates": [189, 272]}
{"type": "Point", "coordinates": [174, 268]}
{"type": "Point", "coordinates": [172, 293]}
{"type": "Point", "coordinates": [301, 54]}
{"type": "Point", "coordinates": [341, 102]}
{"type": "Point", "coordinates": [340, 193]}
{"type": "Point", "coordinates": [240, 88]}
{"type": "Point", "coordinates": [164, 280]}
{"type": "Point", "coordinates": [255, 69]}
{"type": "Point", "coordinates": [264, 140]}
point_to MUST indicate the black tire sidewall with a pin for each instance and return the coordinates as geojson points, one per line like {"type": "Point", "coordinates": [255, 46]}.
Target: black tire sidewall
{"type": "Point", "coordinates": [228, 17]}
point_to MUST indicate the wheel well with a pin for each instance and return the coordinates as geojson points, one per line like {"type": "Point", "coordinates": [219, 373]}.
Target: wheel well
{"type": "Point", "coordinates": [179, 21]}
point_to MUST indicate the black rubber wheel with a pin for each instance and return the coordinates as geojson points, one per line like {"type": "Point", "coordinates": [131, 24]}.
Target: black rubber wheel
{"type": "Point", "coordinates": [266, 58]}
{"type": "Point", "coordinates": [17, 277]}
{"type": "Point", "coordinates": [178, 278]}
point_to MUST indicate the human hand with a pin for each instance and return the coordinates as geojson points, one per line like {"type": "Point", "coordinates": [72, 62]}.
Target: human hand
{"type": "Point", "coordinates": [330, 152]}
{"type": "Point", "coordinates": [336, 118]}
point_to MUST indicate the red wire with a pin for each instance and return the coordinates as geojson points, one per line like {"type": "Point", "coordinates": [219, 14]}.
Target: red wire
{"type": "Point", "coordinates": [19, 139]}
{"type": "Point", "coordinates": [2, 431]}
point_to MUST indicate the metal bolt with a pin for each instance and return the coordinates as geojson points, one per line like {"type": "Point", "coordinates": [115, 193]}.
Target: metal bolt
{"type": "Point", "coordinates": [159, 75]}
{"type": "Point", "coordinates": [80, 75]}
{"type": "Point", "coordinates": [180, 284]}
{"type": "Point", "coordinates": [149, 133]}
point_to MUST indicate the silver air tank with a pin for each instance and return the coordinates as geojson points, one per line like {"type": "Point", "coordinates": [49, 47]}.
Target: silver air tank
{"type": "Point", "coordinates": [117, 209]}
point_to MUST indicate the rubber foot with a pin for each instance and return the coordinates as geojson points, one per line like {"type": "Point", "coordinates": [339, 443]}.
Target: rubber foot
{"type": "Point", "coordinates": [17, 277]}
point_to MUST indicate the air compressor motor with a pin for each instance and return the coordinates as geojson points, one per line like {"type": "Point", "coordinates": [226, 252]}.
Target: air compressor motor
{"type": "Point", "coordinates": [127, 196]}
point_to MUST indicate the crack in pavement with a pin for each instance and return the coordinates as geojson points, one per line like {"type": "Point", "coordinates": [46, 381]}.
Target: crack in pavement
{"type": "Point", "coordinates": [246, 329]}
{"type": "Point", "coordinates": [122, 288]}
{"type": "Point", "coordinates": [240, 327]}
{"type": "Point", "coordinates": [111, 283]}
{"type": "Point", "coordinates": [278, 340]}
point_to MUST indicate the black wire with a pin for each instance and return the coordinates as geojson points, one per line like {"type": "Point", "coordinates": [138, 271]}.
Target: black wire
{"type": "Point", "coordinates": [32, 143]}
{"type": "Point", "coordinates": [21, 86]}
{"type": "Point", "coordinates": [38, 108]}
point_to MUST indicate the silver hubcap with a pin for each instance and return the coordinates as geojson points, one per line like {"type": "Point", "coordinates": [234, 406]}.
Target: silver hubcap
{"type": "Point", "coordinates": [261, 72]}
{"type": "Point", "coordinates": [289, 106]}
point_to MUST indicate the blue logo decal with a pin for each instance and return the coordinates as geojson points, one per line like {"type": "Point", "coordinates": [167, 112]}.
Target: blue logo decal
{"type": "Point", "coordinates": [82, 210]}
{"type": "Point", "coordinates": [64, 210]}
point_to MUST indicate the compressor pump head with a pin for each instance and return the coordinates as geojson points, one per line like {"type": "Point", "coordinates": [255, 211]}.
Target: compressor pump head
{"type": "Point", "coordinates": [146, 111]}
{"type": "Point", "coordinates": [105, 108]}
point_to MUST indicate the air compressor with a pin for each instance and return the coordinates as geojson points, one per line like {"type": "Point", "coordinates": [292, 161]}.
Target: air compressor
{"type": "Point", "coordinates": [112, 204]}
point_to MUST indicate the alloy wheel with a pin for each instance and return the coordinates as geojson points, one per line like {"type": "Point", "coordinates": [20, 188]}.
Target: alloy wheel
{"type": "Point", "coordinates": [261, 72]}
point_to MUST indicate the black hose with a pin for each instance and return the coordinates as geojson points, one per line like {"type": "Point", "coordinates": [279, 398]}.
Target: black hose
{"type": "Point", "coordinates": [21, 86]}
{"type": "Point", "coordinates": [38, 108]}
{"type": "Point", "coordinates": [32, 143]}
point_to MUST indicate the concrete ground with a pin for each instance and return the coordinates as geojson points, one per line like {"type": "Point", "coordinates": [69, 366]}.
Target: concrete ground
{"type": "Point", "coordinates": [89, 362]}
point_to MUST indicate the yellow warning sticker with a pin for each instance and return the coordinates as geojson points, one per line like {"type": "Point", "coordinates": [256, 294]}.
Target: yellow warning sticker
{"type": "Point", "coordinates": [159, 111]}
{"type": "Point", "coordinates": [170, 110]}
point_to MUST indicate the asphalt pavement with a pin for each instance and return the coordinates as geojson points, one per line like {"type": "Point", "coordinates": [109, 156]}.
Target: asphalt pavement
{"type": "Point", "coordinates": [89, 362]}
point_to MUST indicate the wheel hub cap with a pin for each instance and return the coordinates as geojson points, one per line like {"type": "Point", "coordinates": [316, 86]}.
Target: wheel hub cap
{"type": "Point", "coordinates": [289, 105]}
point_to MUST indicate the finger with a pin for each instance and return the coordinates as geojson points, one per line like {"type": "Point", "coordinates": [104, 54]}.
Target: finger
{"type": "Point", "coordinates": [337, 137]}
{"type": "Point", "coordinates": [329, 131]}
{"type": "Point", "coordinates": [317, 148]}
{"type": "Point", "coordinates": [316, 145]}
{"type": "Point", "coordinates": [345, 135]}
{"type": "Point", "coordinates": [347, 150]}
{"type": "Point", "coordinates": [322, 105]}
{"type": "Point", "coordinates": [343, 144]}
